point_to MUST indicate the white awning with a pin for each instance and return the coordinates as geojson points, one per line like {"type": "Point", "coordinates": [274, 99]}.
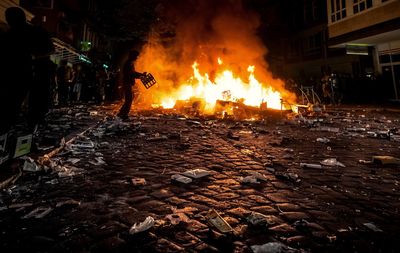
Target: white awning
{"type": "Point", "coordinates": [66, 52]}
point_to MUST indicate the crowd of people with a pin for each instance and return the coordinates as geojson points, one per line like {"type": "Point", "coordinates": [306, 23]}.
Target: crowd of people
{"type": "Point", "coordinates": [32, 83]}
{"type": "Point", "coordinates": [336, 88]}
{"type": "Point", "coordinates": [82, 83]}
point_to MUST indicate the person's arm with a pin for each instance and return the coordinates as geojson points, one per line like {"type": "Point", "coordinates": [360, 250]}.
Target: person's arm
{"type": "Point", "coordinates": [138, 75]}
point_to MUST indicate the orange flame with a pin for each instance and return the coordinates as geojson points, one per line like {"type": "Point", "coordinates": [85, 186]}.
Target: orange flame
{"type": "Point", "coordinates": [226, 86]}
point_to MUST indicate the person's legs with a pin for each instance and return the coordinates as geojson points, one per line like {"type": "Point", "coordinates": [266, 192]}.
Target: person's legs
{"type": "Point", "coordinates": [126, 107]}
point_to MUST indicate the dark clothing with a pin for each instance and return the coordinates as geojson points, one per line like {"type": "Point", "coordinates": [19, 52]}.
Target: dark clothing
{"type": "Point", "coordinates": [17, 73]}
{"type": "Point", "coordinates": [43, 74]}
{"type": "Point", "coordinates": [129, 76]}
{"type": "Point", "coordinates": [64, 81]}
{"type": "Point", "coordinates": [39, 96]}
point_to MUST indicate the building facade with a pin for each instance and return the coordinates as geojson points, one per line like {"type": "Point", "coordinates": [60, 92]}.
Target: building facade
{"type": "Point", "coordinates": [370, 29]}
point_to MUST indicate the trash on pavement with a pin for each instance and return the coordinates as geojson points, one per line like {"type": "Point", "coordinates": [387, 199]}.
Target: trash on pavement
{"type": "Point", "coordinates": [372, 227]}
{"type": "Point", "coordinates": [196, 173]}
{"type": "Point", "coordinates": [215, 220]}
{"type": "Point", "coordinates": [138, 181]}
{"type": "Point", "coordinates": [326, 129]}
{"type": "Point", "coordinates": [181, 179]}
{"type": "Point", "coordinates": [385, 160]}
{"type": "Point", "coordinates": [257, 219]}
{"type": "Point", "coordinates": [249, 180]}
{"type": "Point", "coordinates": [259, 176]}
{"type": "Point", "coordinates": [272, 247]}
{"type": "Point", "coordinates": [98, 161]}
{"type": "Point", "coordinates": [38, 213]}
{"type": "Point", "coordinates": [30, 165]}
{"type": "Point", "coordinates": [73, 160]}
{"type": "Point", "coordinates": [20, 205]}
{"type": "Point", "coordinates": [364, 162]}
{"type": "Point", "coordinates": [332, 162]}
{"type": "Point", "coordinates": [158, 137]}
{"type": "Point", "coordinates": [323, 140]}
{"type": "Point", "coordinates": [23, 145]}
{"type": "Point", "coordinates": [293, 177]}
{"type": "Point", "coordinates": [69, 202]}
{"type": "Point", "coordinates": [310, 165]}
{"type": "Point", "coordinates": [80, 144]}
{"type": "Point", "coordinates": [143, 226]}
{"type": "Point", "coordinates": [68, 171]}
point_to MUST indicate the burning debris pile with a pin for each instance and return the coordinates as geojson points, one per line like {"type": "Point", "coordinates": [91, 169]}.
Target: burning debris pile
{"type": "Point", "coordinates": [212, 61]}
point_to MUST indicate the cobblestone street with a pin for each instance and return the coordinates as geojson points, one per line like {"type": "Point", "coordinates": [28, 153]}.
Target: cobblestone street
{"type": "Point", "coordinates": [88, 202]}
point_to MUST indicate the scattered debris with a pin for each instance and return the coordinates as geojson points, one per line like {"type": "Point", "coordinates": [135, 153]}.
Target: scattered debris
{"type": "Point", "coordinates": [310, 165]}
{"type": "Point", "coordinates": [181, 179]}
{"type": "Point", "coordinates": [385, 160]}
{"type": "Point", "coordinates": [196, 173]}
{"type": "Point", "coordinates": [138, 181]}
{"type": "Point", "coordinates": [98, 161]}
{"type": "Point", "coordinates": [73, 160]}
{"type": "Point", "coordinates": [157, 137]}
{"type": "Point", "coordinates": [372, 227]}
{"type": "Point", "coordinates": [332, 162]}
{"type": "Point", "coordinates": [69, 202]}
{"type": "Point", "coordinates": [23, 145]}
{"type": "Point", "coordinates": [293, 177]}
{"type": "Point", "coordinates": [323, 140]}
{"type": "Point", "coordinates": [30, 165]}
{"type": "Point", "coordinates": [257, 219]}
{"type": "Point", "coordinates": [38, 213]}
{"type": "Point", "coordinates": [364, 162]}
{"type": "Point", "coordinates": [143, 226]}
{"type": "Point", "coordinates": [215, 220]}
{"type": "Point", "coordinates": [249, 180]}
{"type": "Point", "coordinates": [81, 145]}
{"type": "Point", "coordinates": [19, 205]}
{"type": "Point", "coordinates": [326, 129]}
{"type": "Point", "coordinates": [273, 247]}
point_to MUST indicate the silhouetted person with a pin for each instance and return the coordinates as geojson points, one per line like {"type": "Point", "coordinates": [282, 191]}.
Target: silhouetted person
{"type": "Point", "coordinates": [16, 66]}
{"type": "Point", "coordinates": [129, 75]}
{"type": "Point", "coordinates": [65, 78]}
{"type": "Point", "coordinates": [78, 80]}
{"type": "Point", "coordinates": [43, 74]}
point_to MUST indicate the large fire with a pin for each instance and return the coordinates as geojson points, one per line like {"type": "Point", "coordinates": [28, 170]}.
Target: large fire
{"type": "Point", "coordinates": [225, 87]}
{"type": "Point", "coordinates": [211, 57]}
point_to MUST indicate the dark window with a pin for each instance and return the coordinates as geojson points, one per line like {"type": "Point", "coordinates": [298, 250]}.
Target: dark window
{"type": "Point", "coordinates": [338, 10]}
{"type": "Point", "coordinates": [361, 5]}
{"type": "Point", "coordinates": [384, 58]}
{"type": "Point", "coordinates": [395, 57]}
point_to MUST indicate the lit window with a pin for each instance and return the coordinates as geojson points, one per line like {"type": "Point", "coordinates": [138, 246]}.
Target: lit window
{"type": "Point", "coordinates": [338, 10]}
{"type": "Point", "coordinates": [361, 5]}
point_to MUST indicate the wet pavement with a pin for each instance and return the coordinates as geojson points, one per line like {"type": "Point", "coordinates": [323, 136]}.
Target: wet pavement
{"type": "Point", "coordinates": [261, 183]}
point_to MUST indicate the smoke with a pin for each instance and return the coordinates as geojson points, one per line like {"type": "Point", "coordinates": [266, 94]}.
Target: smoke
{"type": "Point", "coordinates": [201, 31]}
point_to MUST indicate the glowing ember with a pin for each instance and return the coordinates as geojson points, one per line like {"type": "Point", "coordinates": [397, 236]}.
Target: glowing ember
{"type": "Point", "coordinates": [227, 87]}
